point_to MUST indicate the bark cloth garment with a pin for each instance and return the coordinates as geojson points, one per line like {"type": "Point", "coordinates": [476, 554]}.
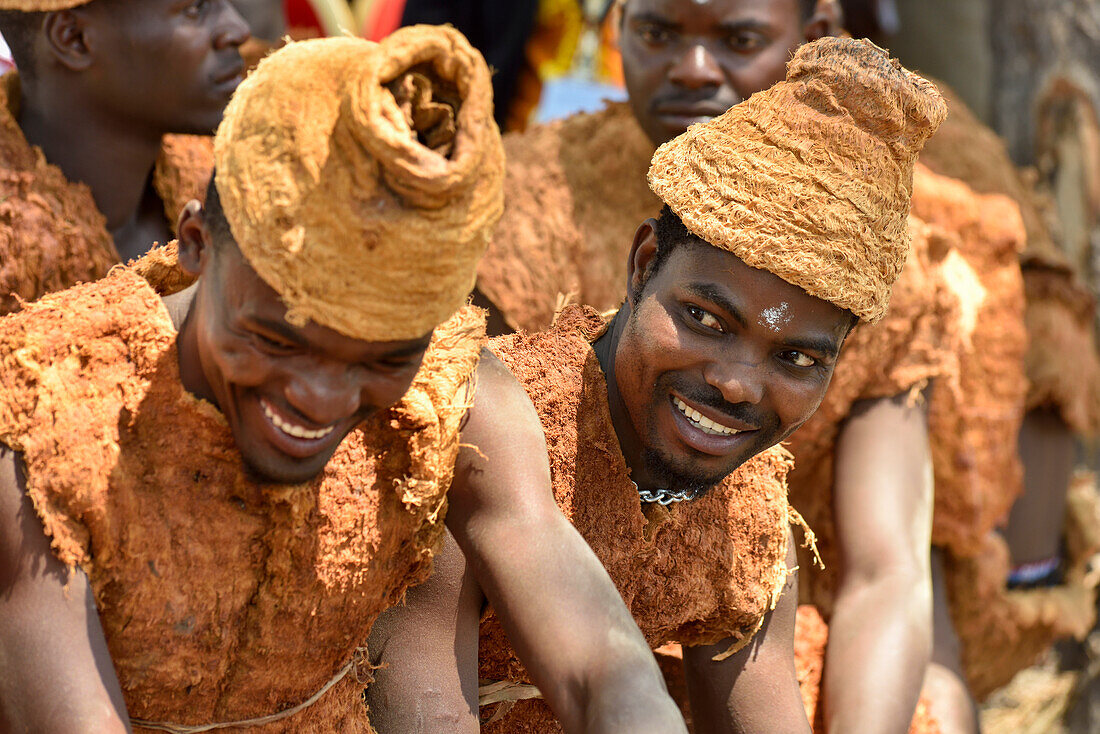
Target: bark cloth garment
{"type": "Point", "coordinates": [575, 192]}
{"type": "Point", "coordinates": [697, 572]}
{"type": "Point", "coordinates": [222, 599]}
{"type": "Point", "coordinates": [52, 235]}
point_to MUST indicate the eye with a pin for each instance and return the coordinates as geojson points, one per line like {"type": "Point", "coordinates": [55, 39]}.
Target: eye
{"type": "Point", "coordinates": [798, 359]}
{"type": "Point", "coordinates": [705, 318]}
{"type": "Point", "coordinates": [654, 34]}
{"type": "Point", "coordinates": [272, 344]}
{"type": "Point", "coordinates": [194, 9]}
{"type": "Point", "coordinates": [745, 42]}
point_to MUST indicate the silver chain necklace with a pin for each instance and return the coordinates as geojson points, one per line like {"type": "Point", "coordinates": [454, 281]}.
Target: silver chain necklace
{"type": "Point", "coordinates": [665, 497]}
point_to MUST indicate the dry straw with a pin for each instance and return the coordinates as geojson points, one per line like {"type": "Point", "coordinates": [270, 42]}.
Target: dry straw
{"type": "Point", "coordinates": [811, 179]}
{"type": "Point", "coordinates": [362, 181]}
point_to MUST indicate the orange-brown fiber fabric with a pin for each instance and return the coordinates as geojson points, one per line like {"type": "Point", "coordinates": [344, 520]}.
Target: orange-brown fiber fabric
{"type": "Point", "coordinates": [974, 429]}
{"type": "Point", "coordinates": [52, 235]}
{"type": "Point", "coordinates": [574, 192]}
{"type": "Point", "coordinates": [811, 179]}
{"type": "Point", "coordinates": [1063, 360]}
{"type": "Point", "coordinates": [914, 346]}
{"type": "Point", "coordinates": [38, 6]}
{"type": "Point", "coordinates": [221, 599]}
{"type": "Point", "coordinates": [339, 158]}
{"type": "Point", "coordinates": [696, 572]}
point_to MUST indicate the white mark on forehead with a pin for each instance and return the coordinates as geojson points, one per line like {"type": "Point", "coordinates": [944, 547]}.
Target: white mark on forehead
{"type": "Point", "coordinates": [775, 317]}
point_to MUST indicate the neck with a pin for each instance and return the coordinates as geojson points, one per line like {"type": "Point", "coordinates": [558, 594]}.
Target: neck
{"type": "Point", "coordinates": [113, 158]}
{"type": "Point", "coordinates": [629, 443]}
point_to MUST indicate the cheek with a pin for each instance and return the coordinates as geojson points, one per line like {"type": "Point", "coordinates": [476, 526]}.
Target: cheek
{"type": "Point", "coordinates": [236, 362]}
{"type": "Point", "coordinates": [796, 401]}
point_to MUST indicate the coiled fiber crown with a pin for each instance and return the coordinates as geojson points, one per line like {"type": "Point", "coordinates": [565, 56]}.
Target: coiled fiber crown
{"type": "Point", "coordinates": [811, 179]}
{"type": "Point", "coordinates": [362, 180]}
{"type": "Point", "coordinates": [40, 6]}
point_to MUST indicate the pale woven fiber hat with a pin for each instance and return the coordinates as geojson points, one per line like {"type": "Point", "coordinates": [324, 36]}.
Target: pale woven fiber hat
{"type": "Point", "coordinates": [40, 6]}
{"type": "Point", "coordinates": [811, 179]}
{"type": "Point", "coordinates": [362, 180]}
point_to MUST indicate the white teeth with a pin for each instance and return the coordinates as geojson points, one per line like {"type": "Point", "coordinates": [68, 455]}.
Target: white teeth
{"type": "Point", "coordinates": [289, 428]}
{"type": "Point", "coordinates": [706, 425]}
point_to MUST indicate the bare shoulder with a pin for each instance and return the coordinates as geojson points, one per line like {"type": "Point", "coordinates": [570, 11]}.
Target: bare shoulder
{"type": "Point", "coordinates": [501, 413]}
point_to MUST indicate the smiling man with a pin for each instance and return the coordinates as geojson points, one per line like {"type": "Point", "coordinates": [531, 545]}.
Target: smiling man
{"type": "Point", "coordinates": [96, 150]}
{"type": "Point", "coordinates": [663, 419]}
{"type": "Point", "coordinates": [574, 193]}
{"type": "Point", "coordinates": [205, 501]}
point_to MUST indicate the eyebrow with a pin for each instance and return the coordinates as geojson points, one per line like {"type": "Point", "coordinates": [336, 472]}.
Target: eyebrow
{"type": "Point", "coordinates": [279, 327]}
{"type": "Point", "coordinates": [812, 343]}
{"type": "Point", "coordinates": [651, 17]}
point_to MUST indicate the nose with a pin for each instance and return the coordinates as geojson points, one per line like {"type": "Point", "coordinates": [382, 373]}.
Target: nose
{"type": "Point", "coordinates": [232, 29]}
{"type": "Point", "coordinates": [325, 394]}
{"type": "Point", "coordinates": [696, 69]}
{"type": "Point", "coordinates": [739, 381]}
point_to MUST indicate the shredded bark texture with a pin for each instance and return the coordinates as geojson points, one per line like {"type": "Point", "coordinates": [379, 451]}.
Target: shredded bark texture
{"type": "Point", "coordinates": [222, 599]}
{"type": "Point", "coordinates": [1063, 360]}
{"type": "Point", "coordinates": [52, 235]}
{"type": "Point", "coordinates": [697, 572]}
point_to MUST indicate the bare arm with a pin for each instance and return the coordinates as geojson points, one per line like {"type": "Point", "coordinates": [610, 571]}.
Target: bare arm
{"type": "Point", "coordinates": [55, 671]}
{"type": "Point", "coordinates": [554, 598]}
{"type": "Point", "coordinates": [880, 635]}
{"type": "Point", "coordinates": [755, 690]}
{"type": "Point", "coordinates": [428, 647]}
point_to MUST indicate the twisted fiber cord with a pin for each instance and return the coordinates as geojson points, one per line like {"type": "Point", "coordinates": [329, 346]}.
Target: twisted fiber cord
{"type": "Point", "coordinates": [355, 661]}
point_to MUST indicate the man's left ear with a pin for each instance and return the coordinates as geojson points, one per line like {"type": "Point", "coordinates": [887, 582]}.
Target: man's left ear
{"type": "Point", "coordinates": [827, 20]}
{"type": "Point", "coordinates": [194, 242]}
{"type": "Point", "coordinates": [641, 255]}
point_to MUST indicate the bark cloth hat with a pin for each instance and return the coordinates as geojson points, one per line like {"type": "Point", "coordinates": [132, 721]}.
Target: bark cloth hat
{"type": "Point", "coordinates": [811, 179]}
{"type": "Point", "coordinates": [40, 6]}
{"type": "Point", "coordinates": [362, 180]}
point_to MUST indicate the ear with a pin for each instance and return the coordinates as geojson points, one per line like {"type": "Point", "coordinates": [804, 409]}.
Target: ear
{"type": "Point", "coordinates": [196, 247]}
{"type": "Point", "coordinates": [827, 20]}
{"type": "Point", "coordinates": [641, 256]}
{"type": "Point", "coordinates": [66, 38]}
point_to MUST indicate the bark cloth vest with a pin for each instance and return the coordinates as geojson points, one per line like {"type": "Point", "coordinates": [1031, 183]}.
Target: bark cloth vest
{"type": "Point", "coordinates": [576, 190]}
{"type": "Point", "coordinates": [696, 572]}
{"type": "Point", "coordinates": [222, 599]}
{"type": "Point", "coordinates": [52, 235]}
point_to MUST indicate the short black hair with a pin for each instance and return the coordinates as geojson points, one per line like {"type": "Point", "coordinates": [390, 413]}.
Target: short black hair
{"type": "Point", "coordinates": [671, 234]}
{"type": "Point", "coordinates": [214, 217]}
{"type": "Point", "coordinates": [19, 29]}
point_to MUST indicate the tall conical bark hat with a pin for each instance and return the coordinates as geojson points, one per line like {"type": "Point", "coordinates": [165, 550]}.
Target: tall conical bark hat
{"type": "Point", "coordinates": [811, 179]}
{"type": "Point", "coordinates": [362, 180]}
{"type": "Point", "coordinates": [40, 6]}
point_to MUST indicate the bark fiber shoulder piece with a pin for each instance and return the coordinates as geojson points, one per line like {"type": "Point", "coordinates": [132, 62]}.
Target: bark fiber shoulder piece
{"type": "Point", "coordinates": [340, 161]}
{"type": "Point", "coordinates": [40, 6]}
{"type": "Point", "coordinates": [1001, 631]}
{"type": "Point", "coordinates": [698, 572]}
{"type": "Point", "coordinates": [914, 346]}
{"type": "Point", "coordinates": [974, 428]}
{"type": "Point", "coordinates": [811, 179]}
{"type": "Point", "coordinates": [221, 599]}
{"type": "Point", "coordinates": [52, 236]}
{"type": "Point", "coordinates": [575, 192]}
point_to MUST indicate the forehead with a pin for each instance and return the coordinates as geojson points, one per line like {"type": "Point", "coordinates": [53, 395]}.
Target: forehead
{"type": "Point", "coordinates": [249, 302]}
{"type": "Point", "coordinates": [722, 11]}
{"type": "Point", "coordinates": [759, 297]}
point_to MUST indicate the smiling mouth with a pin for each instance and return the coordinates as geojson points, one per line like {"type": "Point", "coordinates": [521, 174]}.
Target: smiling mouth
{"type": "Point", "coordinates": [700, 421]}
{"type": "Point", "coordinates": [292, 429]}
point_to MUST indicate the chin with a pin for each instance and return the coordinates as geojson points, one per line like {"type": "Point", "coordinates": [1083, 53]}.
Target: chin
{"type": "Point", "coordinates": [284, 470]}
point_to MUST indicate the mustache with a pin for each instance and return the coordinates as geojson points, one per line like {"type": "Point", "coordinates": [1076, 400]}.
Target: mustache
{"type": "Point", "coordinates": [711, 397]}
{"type": "Point", "coordinates": [713, 103]}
